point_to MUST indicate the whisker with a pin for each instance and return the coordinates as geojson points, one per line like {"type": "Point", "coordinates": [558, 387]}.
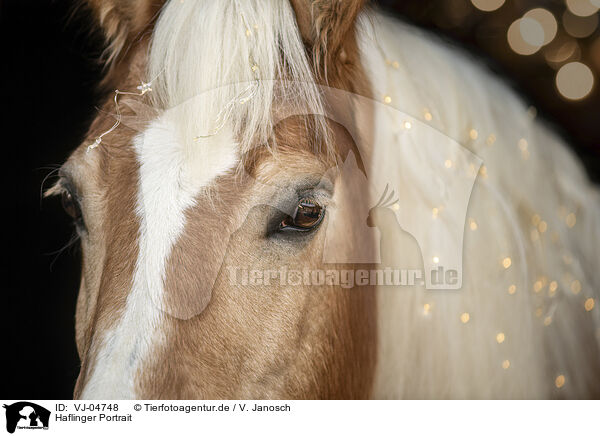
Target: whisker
{"type": "Point", "coordinates": [69, 244]}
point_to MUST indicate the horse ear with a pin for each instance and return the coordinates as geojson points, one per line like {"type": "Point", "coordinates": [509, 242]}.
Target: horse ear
{"type": "Point", "coordinates": [327, 28]}
{"type": "Point", "coordinates": [123, 23]}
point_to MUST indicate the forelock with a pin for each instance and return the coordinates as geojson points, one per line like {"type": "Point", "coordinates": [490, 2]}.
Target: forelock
{"type": "Point", "coordinates": [223, 64]}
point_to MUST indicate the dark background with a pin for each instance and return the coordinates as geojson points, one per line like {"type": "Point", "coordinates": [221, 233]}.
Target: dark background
{"type": "Point", "coordinates": [48, 83]}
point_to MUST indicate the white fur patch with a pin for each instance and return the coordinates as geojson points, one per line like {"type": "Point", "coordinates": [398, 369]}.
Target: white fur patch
{"type": "Point", "coordinates": [171, 177]}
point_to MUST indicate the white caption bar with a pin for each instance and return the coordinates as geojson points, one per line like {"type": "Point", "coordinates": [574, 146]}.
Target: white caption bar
{"type": "Point", "coordinates": [299, 417]}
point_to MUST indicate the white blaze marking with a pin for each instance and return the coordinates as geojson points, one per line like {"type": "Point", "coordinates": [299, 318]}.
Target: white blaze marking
{"type": "Point", "coordinates": [171, 177]}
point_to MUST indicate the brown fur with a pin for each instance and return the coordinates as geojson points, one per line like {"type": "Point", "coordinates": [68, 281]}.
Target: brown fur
{"type": "Point", "coordinates": [328, 31]}
{"type": "Point", "coordinates": [251, 342]}
{"type": "Point", "coordinates": [111, 245]}
{"type": "Point", "coordinates": [126, 25]}
{"type": "Point", "coordinates": [262, 341]}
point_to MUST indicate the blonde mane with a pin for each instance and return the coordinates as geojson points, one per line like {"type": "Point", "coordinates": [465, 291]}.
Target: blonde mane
{"type": "Point", "coordinates": [223, 62]}
{"type": "Point", "coordinates": [526, 258]}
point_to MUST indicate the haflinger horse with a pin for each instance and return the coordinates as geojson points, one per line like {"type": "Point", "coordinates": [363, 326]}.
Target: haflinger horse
{"type": "Point", "coordinates": [251, 141]}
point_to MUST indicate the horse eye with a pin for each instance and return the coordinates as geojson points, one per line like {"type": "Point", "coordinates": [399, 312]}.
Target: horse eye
{"type": "Point", "coordinates": [307, 216]}
{"type": "Point", "coordinates": [71, 207]}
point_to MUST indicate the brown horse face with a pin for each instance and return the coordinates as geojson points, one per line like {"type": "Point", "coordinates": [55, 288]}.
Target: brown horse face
{"type": "Point", "coordinates": [203, 272]}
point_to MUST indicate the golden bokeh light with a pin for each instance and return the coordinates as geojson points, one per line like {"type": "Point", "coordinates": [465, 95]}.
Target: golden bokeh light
{"type": "Point", "coordinates": [537, 28]}
{"type": "Point", "coordinates": [559, 381]}
{"type": "Point", "coordinates": [512, 289]}
{"type": "Point", "coordinates": [582, 8]}
{"type": "Point", "coordinates": [506, 364]}
{"type": "Point", "coordinates": [465, 317]}
{"type": "Point", "coordinates": [523, 144]}
{"type": "Point", "coordinates": [500, 337]}
{"type": "Point", "coordinates": [562, 49]}
{"type": "Point", "coordinates": [473, 224]}
{"type": "Point", "coordinates": [487, 5]}
{"type": "Point", "coordinates": [579, 27]}
{"type": "Point", "coordinates": [522, 33]}
{"type": "Point", "coordinates": [574, 80]}
{"type": "Point", "coordinates": [589, 304]}
{"type": "Point", "coordinates": [532, 31]}
{"type": "Point", "coordinates": [546, 21]}
{"type": "Point", "coordinates": [506, 262]}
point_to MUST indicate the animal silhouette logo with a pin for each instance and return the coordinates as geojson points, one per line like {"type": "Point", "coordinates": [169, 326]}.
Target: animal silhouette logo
{"type": "Point", "coordinates": [26, 415]}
